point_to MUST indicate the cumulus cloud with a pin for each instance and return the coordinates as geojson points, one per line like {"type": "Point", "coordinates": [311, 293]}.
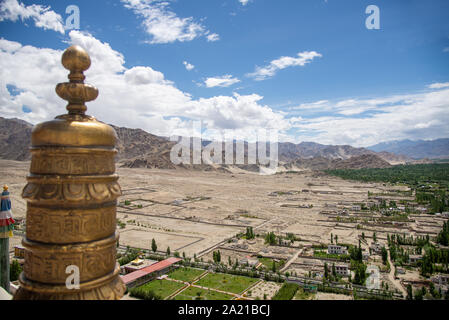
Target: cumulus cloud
{"type": "Point", "coordinates": [223, 81]}
{"type": "Point", "coordinates": [213, 37]}
{"type": "Point", "coordinates": [43, 17]}
{"type": "Point", "coordinates": [438, 85]}
{"type": "Point", "coordinates": [188, 66]}
{"type": "Point", "coordinates": [262, 73]}
{"type": "Point", "coordinates": [137, 97]}
{"type": "Point", "coordinates": [244, 2]}
{"type": "Point", "coordinates": [365, 122]}
{"type": "Point", "coordinates": [163, 25]}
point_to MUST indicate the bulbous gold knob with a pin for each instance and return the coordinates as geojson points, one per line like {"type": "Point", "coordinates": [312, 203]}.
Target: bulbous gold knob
{"type": "Point", "coordinates": [76, 58]}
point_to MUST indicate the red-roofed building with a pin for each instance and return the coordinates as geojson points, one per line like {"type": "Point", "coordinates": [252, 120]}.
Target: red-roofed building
{"type": "Point", "coordinates": [144, 275]}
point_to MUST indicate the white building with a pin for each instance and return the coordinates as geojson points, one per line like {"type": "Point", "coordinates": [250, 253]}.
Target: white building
{"type": "Point", "coordinates": [340, 269]}
{"type": "Point", "coordinates": [336, 249]}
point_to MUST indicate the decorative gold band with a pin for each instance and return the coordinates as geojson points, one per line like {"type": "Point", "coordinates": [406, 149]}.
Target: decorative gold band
{"type": "Point", "coordinates": [62, 226]}
{"type": "Point", "coordinates": [47, 263]}
{"type": "Point", "coordinates": [108, 287]}
{"type": "Point", "coordinates": [79, 192]}
{"type": "Point", "coordinates": [73, 164]}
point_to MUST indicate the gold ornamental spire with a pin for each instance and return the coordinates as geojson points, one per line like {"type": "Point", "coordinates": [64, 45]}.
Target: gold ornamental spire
{"type": "Point", "coordinates": [71, 198]}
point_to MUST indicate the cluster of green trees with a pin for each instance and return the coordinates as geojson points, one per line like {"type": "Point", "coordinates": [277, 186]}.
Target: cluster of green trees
{"type": "Point", "coordinates": [286, 292]}
{"type": "Point", "coordinates": [270, 238]}
{"type": "Point", "coordinates": [443, 236]}
{"type": "Point", "coordinates": [437, 199]}
{"type": "Point", "coordinates": [397, 239]}
{"type": "Point", "coordinates": [250, 233]}
{"type": "Point", "coordinates": [435, 260]}
{"type": "Point", "coordinates": [356, 253]}
{"type": "Point", "coordinates": [409, 174]}
{"type": "Point", "coordinates": [360, 274]}
{"type": "Point", "coordinates": [145, 294]}
{"type": "Point", "coordinates": [422, 178]}
{"type": "Point", "coordinates": [216, 256]}
{"type": "Point", "coordinates": [357, 265]}
{"type": "Point", "coordinates": [292, 238]}
{"type": "Point", "coordinates": [130, 255]}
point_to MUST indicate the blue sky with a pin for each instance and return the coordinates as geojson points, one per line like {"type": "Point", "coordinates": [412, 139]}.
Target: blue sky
{"type": "Point", "coordinates": [310, 68]}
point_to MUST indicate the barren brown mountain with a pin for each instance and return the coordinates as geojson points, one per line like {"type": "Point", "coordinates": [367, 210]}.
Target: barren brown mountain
{"type": "Point", "coordinates": [140, 149]}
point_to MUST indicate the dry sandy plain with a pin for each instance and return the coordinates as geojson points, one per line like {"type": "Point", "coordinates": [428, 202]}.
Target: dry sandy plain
{"type": "Point", "coordinates": [194, 211]}
{"type": "Point", "coordinates": [197, 212]}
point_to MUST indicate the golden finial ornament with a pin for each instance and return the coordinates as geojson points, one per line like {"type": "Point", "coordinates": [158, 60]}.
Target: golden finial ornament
{"type": "Point", "coordinates": [71, 195]}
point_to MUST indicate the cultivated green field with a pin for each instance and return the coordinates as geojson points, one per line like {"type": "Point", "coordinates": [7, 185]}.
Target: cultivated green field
{"type": "Point", "coordinates": [161, 288]}
{"type": "Point", "coordinates": [185, 274]}
{"type": "Point", "coordinates": [193, 293]}
{"type": "Point", "coordinates": [226, 282]}
{"type": "Point", "coordinates": [268, 263]}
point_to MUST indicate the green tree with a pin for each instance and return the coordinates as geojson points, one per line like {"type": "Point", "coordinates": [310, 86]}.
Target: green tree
{"type": "Point", "coordinates": [384, 255]}
{"type": "Point", "coordinates": [14, 270]}
{"type": "Point", "coordinates": [153, 245]}
{"type": "Point", "coordinates": [270, 238]}
{"type": "Point", "coordinates": [326, 271]}
{"type": "Point", "coordinates": [409, 292]}
{"type": "Point", "coordinates": [168, 251]}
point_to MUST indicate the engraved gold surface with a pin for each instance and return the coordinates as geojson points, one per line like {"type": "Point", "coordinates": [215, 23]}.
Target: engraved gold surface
{"type": "Point", "coordinates": [61, 226]}
{"type": "Point", "coordinates": [109, 287]}
{"type": "Point", "coordinates": [47, 263]}
{"type": "Point", "coordinates": [72, 193]}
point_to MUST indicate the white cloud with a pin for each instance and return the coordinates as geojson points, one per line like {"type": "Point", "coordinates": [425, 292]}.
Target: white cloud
{"type": "Point", "coordinates": [163, 25]}
{"type": "Point", "coordinates": [137, 97]}
{"type": "Point", "coordinates": [141, 97]}
{"type": "Point", "coordinates": [244, 2]}
{"type": "Point", "coordinates": [43, 17]}
{"type": "Point", "coordinates": [446, 49]}
{"type": "Point", "coordinates": [364, 122]}
{"type": "Point", "coordinates": [438, 85]}
{"type": "Point", "coordinates": [223, 81]}
{"type": "Point", "coordinates": [213, 37]}
{"type": "Point", "coordinates": [188, 66]}
{"type": "Point", "coordinates": [262, 73]}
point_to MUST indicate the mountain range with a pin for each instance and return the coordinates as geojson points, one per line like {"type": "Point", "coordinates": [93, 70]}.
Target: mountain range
{"type": "Point", "coordinates": [434, 149]}
{"type": "Point", "coordinates": [138, 148]}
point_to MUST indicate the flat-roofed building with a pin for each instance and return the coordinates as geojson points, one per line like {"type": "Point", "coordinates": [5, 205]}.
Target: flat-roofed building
{"type": "Point", "coordinates": [144, 275]}
{"type": "Point", "coordinates": [336, 249]}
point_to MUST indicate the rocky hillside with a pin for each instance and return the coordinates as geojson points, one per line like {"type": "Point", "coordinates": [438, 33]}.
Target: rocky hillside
{"type": "Point", "coordinates": [15, 139]}
{"type": "Point", "coordinates": [304, 150]}
{"type": "Point", "coordinates": [140, 149]}
{"type": "Point", "coordinates": [419, 149]}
